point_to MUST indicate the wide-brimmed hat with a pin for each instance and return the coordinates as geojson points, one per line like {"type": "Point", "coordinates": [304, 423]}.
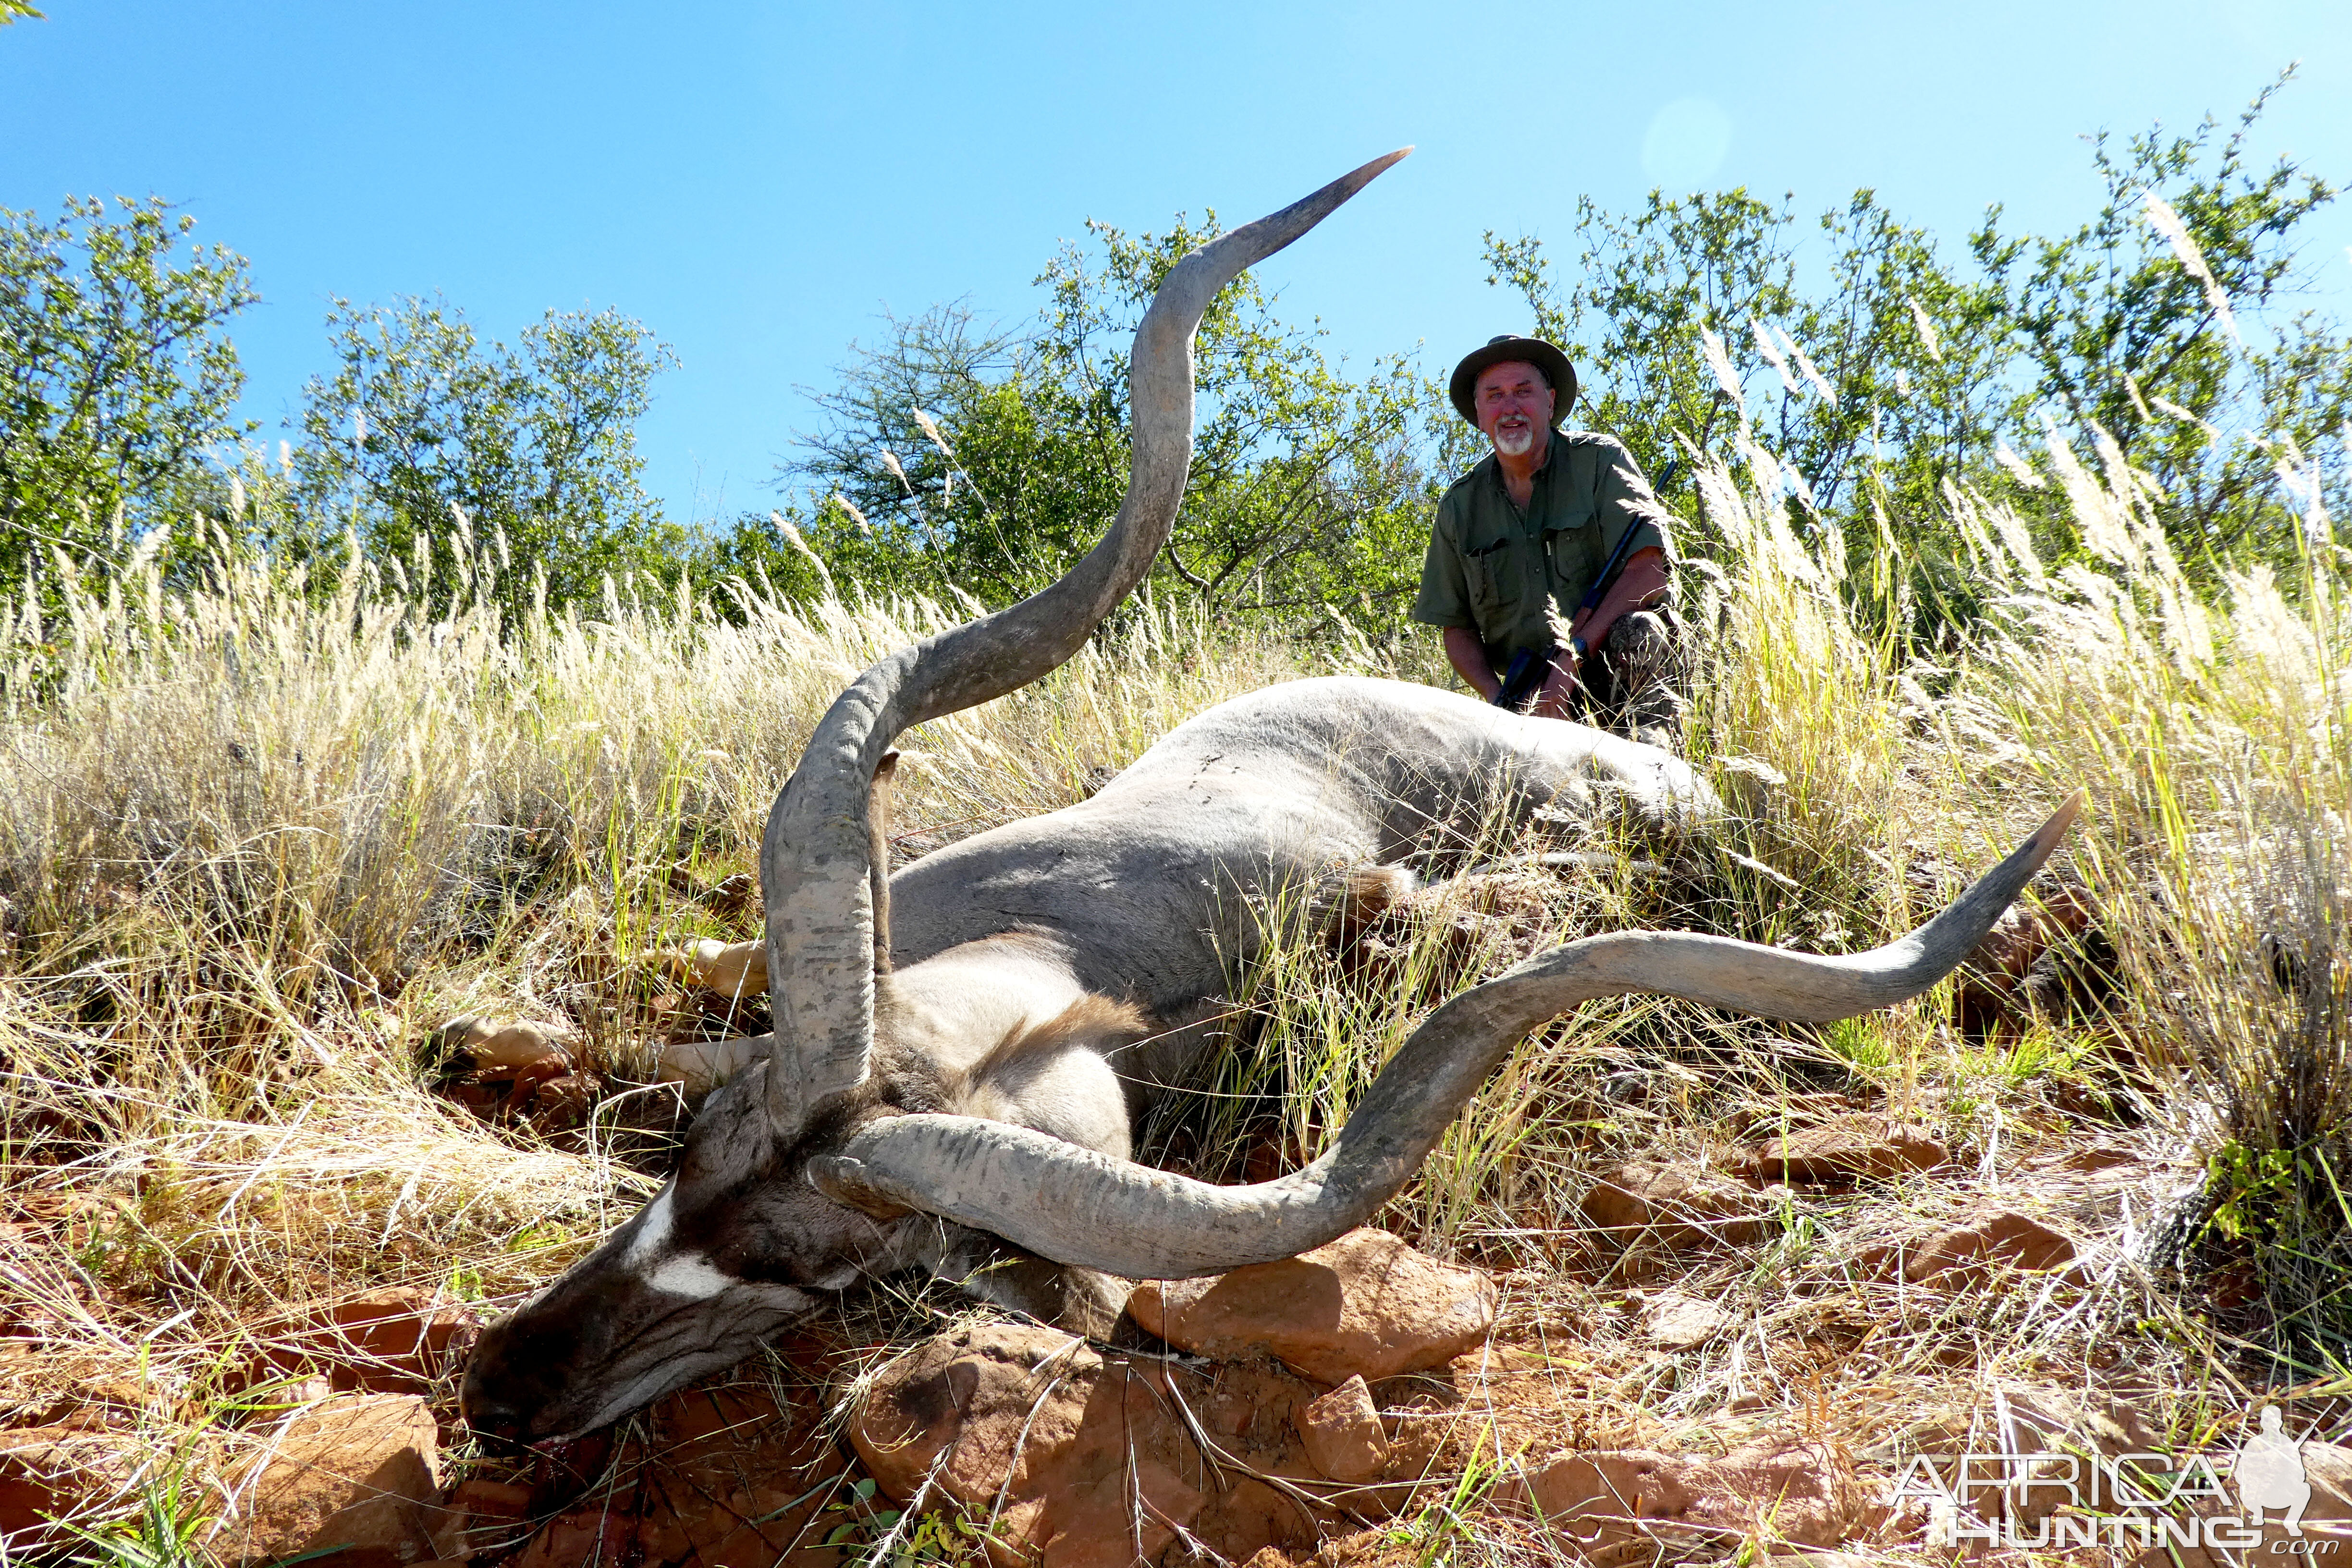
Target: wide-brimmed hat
{"type": "Point", "coordinates": [1504, 350]}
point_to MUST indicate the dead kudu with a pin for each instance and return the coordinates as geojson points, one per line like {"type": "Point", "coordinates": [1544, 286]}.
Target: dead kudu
{"type": "Point", "coordinates": [972, 1103]}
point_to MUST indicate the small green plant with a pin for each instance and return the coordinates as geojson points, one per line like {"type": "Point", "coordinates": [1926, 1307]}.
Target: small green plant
{"type": "Point", "coordinates": [2252, 1191]}
{"type": "Point", "coordinates": [539, 1238]}
{"type": "Point", "coordinates": [1449, 1523]}
{"type": "Point", "coordinates": [164, 1530]}
{"type": "Point", "coordinates": [937, 1541]}
{"type": "Point", "coordinates": [2040, 1052]}
{"type": "Point", "coordinates": [861, 1520]}
{"type": "Point", "coordinates": [1799, 1235]}
{"type": "Point", "coordinates": [465, 1282]}
{"type": "Point", "coordinates": [1861, 1044]}
{"type": "Point", "coordinates": [892, 1538]}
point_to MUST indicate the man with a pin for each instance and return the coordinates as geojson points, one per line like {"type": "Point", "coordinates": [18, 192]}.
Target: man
{"type": "Point", "coordinates": [1521, 540]}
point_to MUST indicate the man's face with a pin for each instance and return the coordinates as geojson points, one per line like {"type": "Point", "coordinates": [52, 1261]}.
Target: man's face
{"type": "Point", "coordinates": [1513, 405]}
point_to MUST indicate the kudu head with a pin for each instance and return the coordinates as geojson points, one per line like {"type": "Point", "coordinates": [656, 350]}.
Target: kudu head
{"type": "Point", "coordinates": [813, 1167]}
{"type": "Point", "coordinates": [742, 1240]}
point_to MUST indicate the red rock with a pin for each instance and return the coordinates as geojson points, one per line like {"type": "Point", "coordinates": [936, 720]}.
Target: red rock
{"type": "Point", "coordinates": [1968, 1253]}
{"type": "Point", "coordinates": [487, 1100]}
{"type": "Point", "coordinates": [1597, 1496]}
{"type": "Point", "coordinates": [1622, 1505]}
{"type": "Point", "coordinates": [1030, 1415]}
{"type": "Point", "coordinates": [495, 1069]}
{"type": "Point", "coordinates": [497, 1049]}
{"type": "Point", "coordinates": [1342, 1432]}
{"type": "Point", "coordinates": [740, 1467]}
{"type": "Point", "coordinates": [560, 1104]}
{"type": "Point", "coordinates": [2001, 980]}
{"type": "Point", "coordinates": [596, 1534]}
{"type": "Point", "coordinates": [1680, 1206]}
{"type": "Point", "coordinates": [731, 969]}
{"type": "Point", "coordinates": [401, 1341]}
{"type": "Point", "coordinates": [729, 1471]}
{"type": "Point", "coordinates": [386, 1342]}
{"type": "Point", "coordinates": [731, 1463]}
{"type": "Point", "coordinates": [360, 1472]}
{"type": "Point", "coordinates": [1845, 1148]}
{"type": "Point", "coordinates": [482, 1515]}
{"type": "Point", "coordinates": [2009, 948]}
{"type": "Point", "coordinates": [57, 1472]}
{"type": "Point", "coordinates": [2098, 1157]}
{"type": "Point", "coordinates": [757, 1544]}
{"type": "Point", "coordinates": [492, 1499]}
{"type": "Point", "coordinates": [1080, 1455]}
{"type": "Point", "coordinates": [1680, 1322]}
{"type": "Point", "coordinates": [1365, 1304]}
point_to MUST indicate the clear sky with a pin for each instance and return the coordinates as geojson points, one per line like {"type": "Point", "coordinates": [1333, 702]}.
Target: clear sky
{"type": "Point", "coordinates": [758, 183]}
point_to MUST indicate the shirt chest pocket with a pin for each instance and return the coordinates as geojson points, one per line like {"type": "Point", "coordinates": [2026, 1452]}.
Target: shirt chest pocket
{"type": "Point", "coordinates": [1572, 556]}
{"type": "Point", "coordinates": [1492, 573]}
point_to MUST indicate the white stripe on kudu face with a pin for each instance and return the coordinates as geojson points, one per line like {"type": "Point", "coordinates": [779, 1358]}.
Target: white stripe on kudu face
{"type": "Point", "coordinates": [654, 1235]}
{"type": "Point", "coordinates": [687, 1274]}
{"type": "Point", "coordinates": [690, 1275]}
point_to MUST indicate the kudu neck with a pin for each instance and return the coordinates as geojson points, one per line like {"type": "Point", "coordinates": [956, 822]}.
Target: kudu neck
{"type": "Point", "coordinates": [955, 1006]}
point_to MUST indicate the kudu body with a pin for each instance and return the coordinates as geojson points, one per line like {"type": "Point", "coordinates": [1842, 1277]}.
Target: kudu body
{"type": "Point", "coordinates": [971, 1104]}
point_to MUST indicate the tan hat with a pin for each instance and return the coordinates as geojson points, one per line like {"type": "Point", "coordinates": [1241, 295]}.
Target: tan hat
{"type": "Point", "coordinates": [1506, 350]}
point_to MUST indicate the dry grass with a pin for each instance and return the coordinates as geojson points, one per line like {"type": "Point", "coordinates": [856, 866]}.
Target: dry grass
{"type": "Point", "coordinates": [2212, 742]}
{"type": "Point", "coordinates": [260, 837]}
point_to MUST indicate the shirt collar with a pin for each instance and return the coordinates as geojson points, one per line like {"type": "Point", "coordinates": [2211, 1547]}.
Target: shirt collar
{"type": "Point", "coordinates": [1495, 465]}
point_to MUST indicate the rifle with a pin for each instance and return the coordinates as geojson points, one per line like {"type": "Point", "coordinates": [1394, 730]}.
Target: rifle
{"type": "Point", "coordinates": [1609, 573]}
{"type": "Point", "coordinates": [1529, 669]}
{"type": "Point", "coordinates": [1526, 672]}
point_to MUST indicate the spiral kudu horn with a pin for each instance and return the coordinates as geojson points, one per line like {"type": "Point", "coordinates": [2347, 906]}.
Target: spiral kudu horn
{"type": "Point", "coordinates": [816, 858]}
{"type": "Point", "coordinates": [1076, 1206]}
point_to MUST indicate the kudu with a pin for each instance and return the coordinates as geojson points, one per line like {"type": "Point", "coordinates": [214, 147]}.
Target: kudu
{"type": "Point", "coordinates": [969, 1109]}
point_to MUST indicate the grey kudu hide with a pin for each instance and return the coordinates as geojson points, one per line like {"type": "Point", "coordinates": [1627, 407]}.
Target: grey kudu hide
{"type": "Point", "coordinates": [969, 1108]}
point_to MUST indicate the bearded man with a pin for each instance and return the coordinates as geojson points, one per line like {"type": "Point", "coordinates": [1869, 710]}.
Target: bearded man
{"type": "Point", "coordinates": [1550, 562]}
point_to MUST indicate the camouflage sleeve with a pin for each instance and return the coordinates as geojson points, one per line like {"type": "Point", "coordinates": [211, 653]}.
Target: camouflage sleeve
{"type": "Point", "coordinates": [1445, 597]}
{"type": "Point", "coordinates": [1627, 502]}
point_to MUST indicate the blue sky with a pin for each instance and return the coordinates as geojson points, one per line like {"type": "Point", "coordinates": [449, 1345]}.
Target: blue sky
{"type": "Point", "coordinates": [758, 182]}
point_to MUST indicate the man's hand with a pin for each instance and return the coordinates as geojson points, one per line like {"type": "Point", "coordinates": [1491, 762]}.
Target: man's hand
{"type": "Point", "coordinates": [1468, 655]}
{"type": "Point", "coordinates": [1558, 687]}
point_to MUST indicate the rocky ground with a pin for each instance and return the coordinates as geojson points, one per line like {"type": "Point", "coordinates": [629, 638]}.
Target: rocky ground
{"type": "Point", "coordinates": [1732, 1339]}
{"type": "Point", "coordinates": [1356, 1405]}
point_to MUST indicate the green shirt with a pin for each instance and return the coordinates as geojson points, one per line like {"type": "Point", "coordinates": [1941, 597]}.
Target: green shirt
{"type": "Point", "coordinates": [1490, 565]}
